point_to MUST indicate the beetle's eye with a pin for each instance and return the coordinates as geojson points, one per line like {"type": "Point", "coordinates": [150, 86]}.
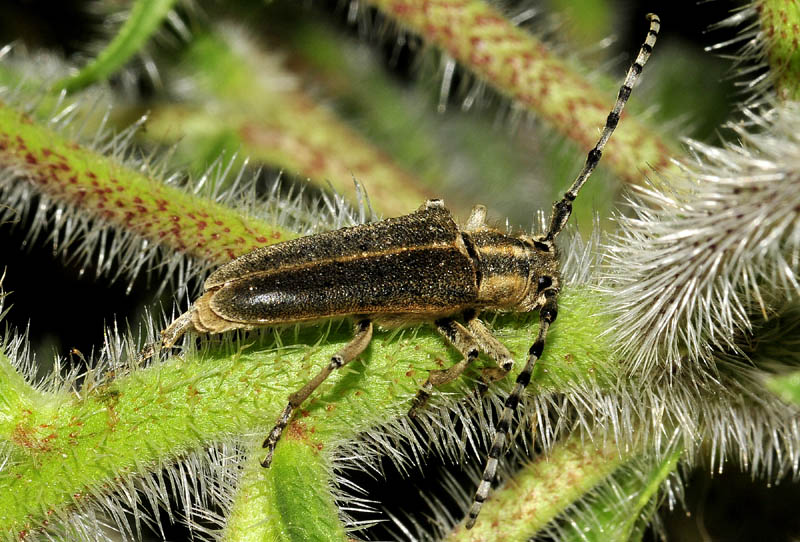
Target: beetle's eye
{"type": "Point", "coordinates": [545, 282]}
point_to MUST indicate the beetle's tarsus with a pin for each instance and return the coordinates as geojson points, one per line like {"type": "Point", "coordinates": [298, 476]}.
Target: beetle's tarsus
{"type": "Point", "coordinates": [420, 399]}
{"type": "Point", "coordinates": [489, 376]}
{"type": "Point", "coordinates": [461, 338]}
{"type": "Point", "coordinates": [146, 353]}
{"type": "Point", "coordinates": [275, 435]}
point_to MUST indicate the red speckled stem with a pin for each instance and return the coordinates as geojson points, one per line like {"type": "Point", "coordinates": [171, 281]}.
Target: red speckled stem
{"type": "Point", "coordinates": [125, 198]}
{"type": "Point", "coordinates": [780, 22]}
{"type": "Point", "coordinates": [520, 66]}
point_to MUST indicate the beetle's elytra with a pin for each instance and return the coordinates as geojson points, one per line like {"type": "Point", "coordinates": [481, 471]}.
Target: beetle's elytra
{"type": "Point", "coordinates": [417, 268]}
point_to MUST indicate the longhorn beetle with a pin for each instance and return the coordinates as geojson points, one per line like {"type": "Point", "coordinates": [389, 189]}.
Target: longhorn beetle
{"type": "Point", "coordinates": [417, 268]}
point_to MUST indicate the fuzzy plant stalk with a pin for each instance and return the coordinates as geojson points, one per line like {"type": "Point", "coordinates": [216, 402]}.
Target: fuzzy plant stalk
{"type": "Point", "coordinates": [522, 68]}
{"type": "Point", "coordinates": [543, 489]}
{"type": "Point", "coordinates": [279, 503]}
{"type": "Point", "coordinates": [122, 197]}
{"type": "Point", "coordinates": [623, 507]}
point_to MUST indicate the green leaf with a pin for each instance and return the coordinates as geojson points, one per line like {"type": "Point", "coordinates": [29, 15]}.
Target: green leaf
{"type": "Point", "coordinates": [144, 18]}
{"type": "Point", "coordinates": [289, 502]}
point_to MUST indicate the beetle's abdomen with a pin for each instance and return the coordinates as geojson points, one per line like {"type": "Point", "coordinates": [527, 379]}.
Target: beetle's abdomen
{"type": "Point", "coordinates": [434, 279]}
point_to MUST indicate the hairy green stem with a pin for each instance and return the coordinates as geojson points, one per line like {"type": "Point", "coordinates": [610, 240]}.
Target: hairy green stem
{"type": "Point", "coordinates": [289, 502]}
{"type": "Point", "coordinates": [780, 25]}
{"type": "Point", "coordinates": [124, 197]}
{"type": "Point", "coordinates": [615, 514]}
{"type": "Point", "coordinates": [542, 490]}
{"type": "Point", "coordinates": [18, 401]}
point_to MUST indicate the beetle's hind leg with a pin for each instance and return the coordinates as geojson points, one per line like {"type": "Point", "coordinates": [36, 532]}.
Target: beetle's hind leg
{"type": "Point", "coordinates": [363, 335]}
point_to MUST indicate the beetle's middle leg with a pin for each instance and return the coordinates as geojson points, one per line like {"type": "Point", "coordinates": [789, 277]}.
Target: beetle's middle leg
{"type": "Point", "coordinates": [465, 343]}
{"type": "Point", "coordinates": [351, 350]}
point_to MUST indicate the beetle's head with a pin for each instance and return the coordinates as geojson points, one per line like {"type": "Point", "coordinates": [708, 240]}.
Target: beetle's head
{"type": "Point", "coordinates": [543, 277]}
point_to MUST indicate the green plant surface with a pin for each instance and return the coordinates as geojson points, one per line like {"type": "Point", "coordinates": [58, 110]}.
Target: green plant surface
{"type": "Point", "coordinates": [588, 21]}
{"type": "Point", "coordinates": [289, 502]}
{"type": "Point", "coordinates": [786, 386]}
{"type": "Point", "coordinates": [615, 515]}
{"type": "Point", "coordinates": [71, 451]}
{"type": "Point", "coordinates": [18, 399]}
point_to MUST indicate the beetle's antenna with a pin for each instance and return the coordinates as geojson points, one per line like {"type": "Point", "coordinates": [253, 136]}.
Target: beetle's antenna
{"type": "Point", "coordinates": [549, 309]}
{"type": "Point", "coordinates": [563, 209]}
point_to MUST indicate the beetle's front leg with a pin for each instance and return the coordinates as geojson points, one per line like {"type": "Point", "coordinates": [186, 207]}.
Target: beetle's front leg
{"type": "Point", "coordinates": [495, 350]}
{"type": "Point", "coordinates": [341, 358]}
{"type": "Point", "coordinates": [547, 315]}
{"type": "Point", "coordinates": [465, 343]}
